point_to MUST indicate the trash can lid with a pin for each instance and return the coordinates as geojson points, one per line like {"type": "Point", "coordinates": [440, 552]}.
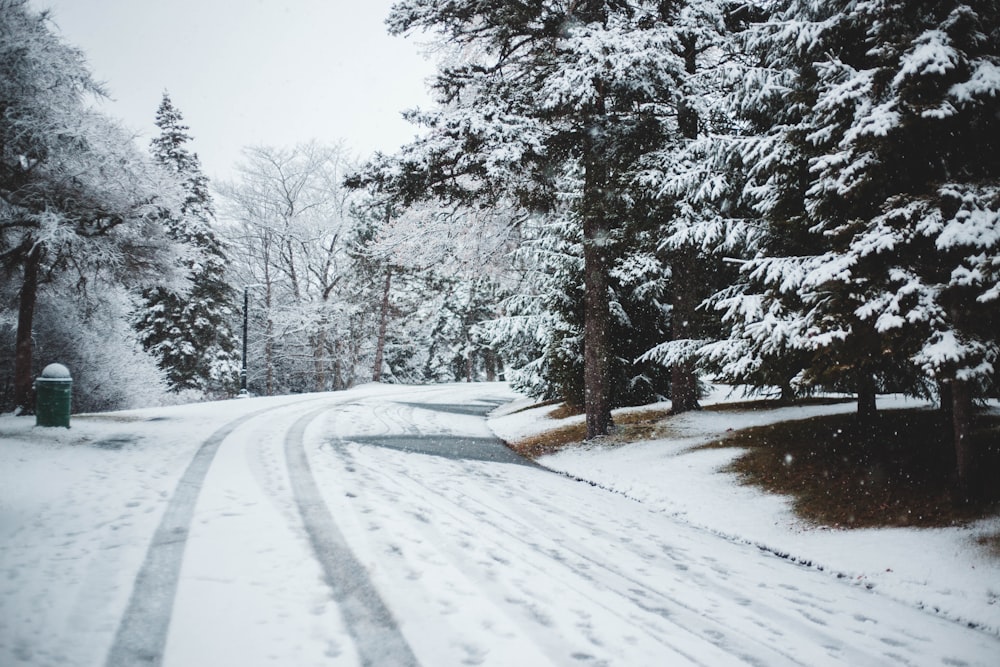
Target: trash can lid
{"type": "Point", "coordinates": [56, 371]}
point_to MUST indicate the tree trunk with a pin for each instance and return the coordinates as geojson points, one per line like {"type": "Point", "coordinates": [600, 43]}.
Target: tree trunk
{"type": "Point", "coordinates": [787, 395]}
{"type": "Point", "coordinates": [24, 393]}
{"type": "Point", "coordinates": [946, 408]}
{"type": "Point", "coordinates": [965, 452]}
{"type": "Point", "coordinates": [338, 374]}
{"type": "Point", "coordinates": [866, 397]}
{"type": "Point", "coordinates": [945, 399]}
{"type": "Point", "coordinates": [469, 362]}
{"type": "Point", "coordinates": [383, 324]}
{"type": "Point", "coordinates": [490, 361]}
{"type": "Point", "coordinates": [269, 358]}
{"type": "Point", "coordinates": [687, 115]}
{"type": "Point", "coordinates": [246, 325]}
{"type": "Point", "coordinates": [269, 344]}
{"type": "Point", "coordinates": [468, 322]}
{"type": "Point", "coordinates": [683, 302]}
{"type": "Point", "coordinates": [319, 359]}
{"type": "Point", "coordinates": [684, 269]}
{"type": "Point", "coordinates": [597, 309]}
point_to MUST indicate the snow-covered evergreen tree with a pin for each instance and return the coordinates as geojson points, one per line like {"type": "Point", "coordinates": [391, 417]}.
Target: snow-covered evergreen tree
{"type": "Point", "coordinates": [441, 266]}
{"type": "Point", "coordinates": [881, 168]}
{"type": "Point", "coordinates": [738, 188]}
{"type": "Point", "coordinates": [540, 327]}
{"type": "Point", "coordinates": [190, 332]}
{"type": "Point", "coordinates": [76, 197]}
{"type": "Point", "coordinates": [690, 186]}
{"type": "Point", "coordinates": [534, 93]}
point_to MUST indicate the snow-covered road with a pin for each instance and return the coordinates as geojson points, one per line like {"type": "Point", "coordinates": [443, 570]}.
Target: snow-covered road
{"type": "Point", "coordinates": [384, 526]}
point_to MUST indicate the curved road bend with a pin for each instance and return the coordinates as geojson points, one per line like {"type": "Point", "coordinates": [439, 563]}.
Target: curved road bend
{"type": "Point", "coordinates": [392, 530]}
{"type": "Point", "coordinates": [142, 633]}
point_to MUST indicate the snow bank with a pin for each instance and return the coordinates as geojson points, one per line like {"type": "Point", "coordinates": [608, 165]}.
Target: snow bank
{"type": "Point", "coordinates": [944, 570]}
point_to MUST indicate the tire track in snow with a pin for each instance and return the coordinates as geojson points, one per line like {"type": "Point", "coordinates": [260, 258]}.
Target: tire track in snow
{"type": "Point", "coordinates": [142, 633]}
{"type": "Point", "coordinates": [378, 638]}
{"type": "Point", "coordinates": [393, 419]}
{"type": "Point", "coordinates": [792, 609]}
{"type": "Point", "coordinates": [659, 607]}
{"type": "Point", "coordinates": [658, 604]}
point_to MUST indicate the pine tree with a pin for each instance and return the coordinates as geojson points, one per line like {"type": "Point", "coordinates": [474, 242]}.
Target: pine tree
{"type": "Point", "coordinates": [744, 191]}
{"type": "Point", "coordinates": [882, 164]}
{"type": "Point", "coordinates": [542, 322]}
{"type": "Point", "coordinates": [189, 333]}
{"type": "Point", "coordinates": [538, 325]}
{"type": "Point", "coordinates": [691, 189]}
{"type": "Point", "coordinates": [536, 94]}
{"type": "Point", "coordinates": [75, 195]}
{"type": "Point", "coordinates": [912, 170]}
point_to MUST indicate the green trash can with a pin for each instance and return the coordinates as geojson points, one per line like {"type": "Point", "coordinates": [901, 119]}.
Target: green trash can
{"type": "Point", "coordinates": [53, 396]}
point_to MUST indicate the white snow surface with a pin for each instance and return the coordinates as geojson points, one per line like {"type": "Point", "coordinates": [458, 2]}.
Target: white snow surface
{"type": "Point", "coordinates": [941, 570]}
{"type": "Point", "coordinates": [477, 561]}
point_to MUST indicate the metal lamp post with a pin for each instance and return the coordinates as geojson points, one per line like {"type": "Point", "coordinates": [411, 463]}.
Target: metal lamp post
{"type": "Point", "coordinates": [246, 317]}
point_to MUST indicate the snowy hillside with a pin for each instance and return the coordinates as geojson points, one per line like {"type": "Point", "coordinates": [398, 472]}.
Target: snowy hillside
{"type": "Point", "coordinates": [943, 570]}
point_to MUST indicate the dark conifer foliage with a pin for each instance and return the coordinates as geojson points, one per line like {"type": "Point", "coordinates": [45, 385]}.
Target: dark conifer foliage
{"type": "Point", "coordinates": [190, 333]}
{"type": "Point", "coordinates": [545, 96]}
{"type": "Point", "coordinates": [876, 173]}
{"type": "Point", "coordinates": [823, 176]}
{"type": "Point", "coordinates": [78, 203]}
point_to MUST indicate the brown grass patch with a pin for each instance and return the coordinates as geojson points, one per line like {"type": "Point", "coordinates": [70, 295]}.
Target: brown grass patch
{"type": "Point", "coordinates": [550, 442]}
{"type": "Point", "coordinates": [629, 426]}
{"type": "Point", "coordinates": [540, 404]}
{"type": "Point", "coordinates": [991, 543]}
{"type": "Point", "coordinates": [896, 473]}
{"type": "Point", "coordinates": [565, 410]}
{"type": "Point", "coordinates": [772, 404]}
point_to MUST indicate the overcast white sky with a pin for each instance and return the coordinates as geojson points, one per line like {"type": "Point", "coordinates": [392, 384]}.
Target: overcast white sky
{"type": "Point", "coordinates": [252, 72]}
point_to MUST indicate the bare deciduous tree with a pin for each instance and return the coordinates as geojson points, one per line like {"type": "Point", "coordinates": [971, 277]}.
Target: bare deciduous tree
{"type": "Point", "coordinates": [288, 218]}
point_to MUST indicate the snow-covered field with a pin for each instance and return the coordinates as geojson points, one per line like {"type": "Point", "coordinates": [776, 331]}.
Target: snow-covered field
{"type": "Point", "coordinates": [380, 526]}
{"type": "Point", "coordinates": [943, 570]}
